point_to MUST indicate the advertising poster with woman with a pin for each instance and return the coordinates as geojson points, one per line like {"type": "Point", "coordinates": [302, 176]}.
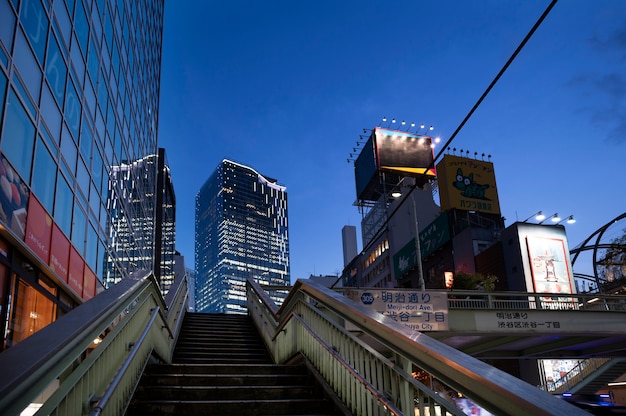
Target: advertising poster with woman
{"type": "Point", "coordinates": [549, 265]}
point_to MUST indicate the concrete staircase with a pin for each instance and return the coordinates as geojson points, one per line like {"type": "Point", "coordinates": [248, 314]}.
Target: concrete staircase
{"type": "Point", "coordinates": [221, 367]}
{"type": "Point", "coordinates": [607, 373]}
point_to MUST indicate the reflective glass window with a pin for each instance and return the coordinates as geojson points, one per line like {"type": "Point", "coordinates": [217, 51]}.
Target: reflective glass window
{"type": "Point", "coordinates": [82, 197]}
{"type": "Point", "coordinates": [51, 112]}
{"type": "Point", "coordinates": [19, 87]}
{"type": "Point", "coordinates": [35, 21]}
{"type": "Point", "coordinates": [3, 90]}
{"type": "Point", "coordinates": [56, 70]}
{"type": "Point", "coordinates": [18, 138]}
{"type": "Point", "coordinates": [78, 62]}
{"type": "Point", "coordinates": [90, 99]}
{"type": "Point", "coordinates": [27, 66]}
{"type": "Point", "coordinates": [82, 176]}
{"type": "Point", "coordinates": [64, 21]}
{"type": "Point", "coordinates": [91, 256]}
{"type": "Point", "coordinates": [96, 168]}
{"type": "Point", "coordinates": [115, 60]}
{"type": "Point", "coordinates": [63, 203]}
{"type": "Point", "coordinates": [44, 176]}
{"type": "Point", "coordinates": [92, 61]}
{"type": "Point", "coordinates": [7, 28]}
{"type": "Point", "coordinates": [70, 5]}
{"type": "Point", "coordinates": [81, 27]}
{"type": "Point", "coordinates": [108, 27]}
{"type": "Point", "coordinates": [72, 109]}
{"type": "Point", "coordinates": [52, 143]}
{"type": "Point", "coordinates": [86, 140]}
{"type": "Point", "coordinates": [4, 58]}
{"type": "Point", "coordinates": [96, 24]}
{"type": "Point", "coordinates": [69, 151]}
{"type": "Point", "coordinates": [94, 201]}
{"type": "Point", "coordinates": [78, 229]}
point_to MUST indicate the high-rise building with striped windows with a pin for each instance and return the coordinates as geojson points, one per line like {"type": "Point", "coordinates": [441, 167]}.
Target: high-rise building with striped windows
{"type": "Point", "coordinates": [241, 233]}
{"type": "Point", "coordinates": [79, 96]}
{"type": "Point", "coordinates": [147, 236]}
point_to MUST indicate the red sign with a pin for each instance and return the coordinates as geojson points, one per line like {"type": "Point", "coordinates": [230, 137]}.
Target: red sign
{"type": "Point", "coordinates": [89, 285]}
{"type": "Point", "coordinates": [59, 253]}
{"type": "Point", "coordinates": [77, 266]}
{"type": "Point", "coordinates": [38, 229]}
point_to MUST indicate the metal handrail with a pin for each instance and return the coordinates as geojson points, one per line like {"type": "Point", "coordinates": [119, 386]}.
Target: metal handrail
{"type": "Point", "coordinates": [379, 397]}
{"type": "Point", "coordinates": [473, 299]}
{"type": "Point", "coordinates": [495, 390]}
{"type": "Point", "coordinates": [106, 397]}
{"type": "Point", "coordinates": [62, 354]}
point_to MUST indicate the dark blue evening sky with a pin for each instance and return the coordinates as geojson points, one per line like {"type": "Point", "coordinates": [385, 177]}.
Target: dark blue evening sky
{"type": "Point", "coordinates": [286, 87]}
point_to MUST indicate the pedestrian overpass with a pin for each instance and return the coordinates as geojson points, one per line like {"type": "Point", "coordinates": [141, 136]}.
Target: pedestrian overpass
{"type": "Point", "coordinates": [531, 325]}
{"type": "Point", "coordinates": [367, 359]}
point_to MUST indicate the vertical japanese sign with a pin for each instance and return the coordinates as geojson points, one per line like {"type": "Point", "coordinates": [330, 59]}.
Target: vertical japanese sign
{"type": "Point", "coordinates": [404, 260]}
{"type": "Point", "coordinates": [421, 311]}
{"type": "Point", "coordinates": [435, 235]}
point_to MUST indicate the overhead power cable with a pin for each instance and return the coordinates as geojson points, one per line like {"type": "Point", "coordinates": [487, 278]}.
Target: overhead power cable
{"type": "Point", "coordinates": [495, 80]}
{"type": "Point", "coordinates": [471, 112]}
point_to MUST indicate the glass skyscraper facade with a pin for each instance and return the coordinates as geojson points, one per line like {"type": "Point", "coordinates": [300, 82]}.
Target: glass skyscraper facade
{"type": "Point", "coordinates": [241, 232]}
{"type": "Point", "coordinates": [79, 99]}
{"type": "Point", "coordinates": [146, 238]}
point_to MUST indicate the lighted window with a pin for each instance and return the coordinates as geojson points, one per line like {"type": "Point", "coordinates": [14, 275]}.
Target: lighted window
{"type": "Point", "coordinates": [32, 311]}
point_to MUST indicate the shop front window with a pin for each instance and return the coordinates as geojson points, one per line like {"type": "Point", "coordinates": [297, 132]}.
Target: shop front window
{"type": "Point", "coordinates": [31, 312]}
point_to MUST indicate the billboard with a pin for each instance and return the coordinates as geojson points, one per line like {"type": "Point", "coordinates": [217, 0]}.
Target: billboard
{"type": "Point", "coordinates": [13, 199]}
{"type": "Point", "coordinates": [395, 154]}
{"type": "Point", "coordinates": [365, 175]}
{"type": "Point", "coordinates": [467, 184]}
{"type": "Point", "coordinates": [549, 265]}
{"type": "Point", "coordinates": [404, 152]}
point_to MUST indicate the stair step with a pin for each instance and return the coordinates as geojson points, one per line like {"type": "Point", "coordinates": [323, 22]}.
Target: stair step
{"type": "Point", "coordinates": [203, 360]}
{"type": "Point", "coordinates": [221, 366]}
{"type": "Point", "coordinates": [218, 392]}
{"type": "Point", "coordinates": [211, 380]}
{"type": "Point", "coordinates": [155, 369]}
{"type": "Point", "coordinates": [230, 407]}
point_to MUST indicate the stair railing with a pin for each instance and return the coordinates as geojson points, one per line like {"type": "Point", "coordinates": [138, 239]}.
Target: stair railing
{"type": "Point", "coordinates": [578, 373]}
{"type": "Point", "coordinates": [62, 363]}
{"type": "Point", "coordinates": [379, 381]}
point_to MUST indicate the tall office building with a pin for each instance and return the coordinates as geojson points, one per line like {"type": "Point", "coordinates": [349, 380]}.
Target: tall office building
{"type": "Point", "coordinates": [241, 233]}
{"type": "Point", "coordinates": [79, 99]}
{"type": "Point", "coordinates": [146, 239]}
{"type": "Point", "coordinates": [348, 242]}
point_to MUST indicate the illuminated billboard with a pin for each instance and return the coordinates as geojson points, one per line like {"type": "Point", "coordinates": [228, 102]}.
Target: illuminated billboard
{"type": "Point", "coordinates": [549, 265]}
{"type": "Point", "coordinates": [400, 151]}
{"type": "Point", "coordinates": [467, 184]}
{"type": "Point", "coordinates": [395, 154]}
